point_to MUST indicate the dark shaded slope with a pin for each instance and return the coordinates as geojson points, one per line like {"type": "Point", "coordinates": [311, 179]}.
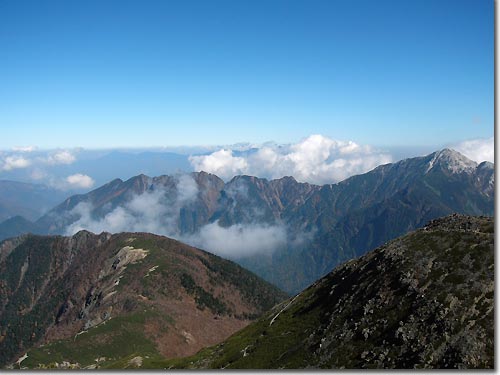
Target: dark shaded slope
{"type": "Point", "coordinates": [424, 300]}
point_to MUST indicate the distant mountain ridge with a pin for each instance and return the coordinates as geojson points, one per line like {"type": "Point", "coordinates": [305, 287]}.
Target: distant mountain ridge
{"type": "Point", "coordinates": [17, 225]}
{"type": "Point", "coordinates": [28, 200]}
{"type": "Point", "coordinates": [304, 229]}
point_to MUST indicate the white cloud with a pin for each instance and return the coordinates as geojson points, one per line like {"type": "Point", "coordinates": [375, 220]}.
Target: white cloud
{"type": "Point", "coordinates": [37, 161]}
{"type": "Point", "coordinates": [143, 213]}
{"type": "Point", "coordinates": [15, 162]}
{"type": "Point", "coordinates": [24, 148]}
{"type": "Point", "coordinates": [187, 189]}
{"type": "Point", "coordinates": [316, 159]}
{"type": "Point", "coordinates": [60, 157]}
{"type": "Point", "coordinates": [479, 150]}
{"type": "Point", "coordinates": [79, 180]}
{"type": "Point", "coordinates": [221, 163]}
{"type": "Point", "coordinates": [239, 240]}
{"type": "Point", "coordinates": [38, 174]}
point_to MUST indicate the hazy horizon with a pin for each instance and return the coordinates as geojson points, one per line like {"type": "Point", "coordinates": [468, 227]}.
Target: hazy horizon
{"type": "Point", "coordinates": [315, 159]}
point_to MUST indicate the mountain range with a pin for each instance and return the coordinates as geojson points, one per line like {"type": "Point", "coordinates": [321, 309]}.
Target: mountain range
{"type": "Point", "coordinates": [287, 232]}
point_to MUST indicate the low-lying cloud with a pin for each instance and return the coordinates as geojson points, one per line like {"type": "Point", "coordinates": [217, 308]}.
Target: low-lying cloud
{"type": "Point", "coordinates": [15, 162]}
{"type": "Point", "coordinates": [24, 148]}
{"type": "Point", "coordinates": [316, 159]}
{"type": "Point", "coordinates": [23, 157]}
{"type": "Point", "coordinates": [154, 211]}
{"type": "Point", "coordinates": [479, 150]}
{"type": "Point", "coordinates": [239, 240]}
{"type": "Point", "coordinates": [29, 163]}
{"type": "Point", "coordinates": [59, 157]}
{"type": "Point", "coordinates": [80, 181]}
{"type": "Point", "coordinates": [77, 181]}
{"type": "Point", "coordinates": [158, 211]}
{"type": "Point", "coordinates": [143, 213]}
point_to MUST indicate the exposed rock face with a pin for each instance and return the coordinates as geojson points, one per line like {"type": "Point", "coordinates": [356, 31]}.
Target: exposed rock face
{"type": "Point", "coordinates": [108, 296]}
{"type": "Point", "coordinates": [424, 300]}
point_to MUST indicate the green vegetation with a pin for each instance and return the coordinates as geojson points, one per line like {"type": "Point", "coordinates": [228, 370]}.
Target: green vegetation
{"type": "Point", "coordinates": [202, 297]}
{"type": "Point", "coordinates": [26, 273]}
{"type": "Point", "coordinates": [113, 339]}
{"type": "Point", "coordinates": [256, 291]}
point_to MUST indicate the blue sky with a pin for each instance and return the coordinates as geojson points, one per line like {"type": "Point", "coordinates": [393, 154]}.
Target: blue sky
{"type": "Point", "coordinates": [154, 73]}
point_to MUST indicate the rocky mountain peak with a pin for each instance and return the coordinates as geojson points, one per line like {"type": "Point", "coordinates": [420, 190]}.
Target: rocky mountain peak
{"type": "Point", "coordinates": [486, 165]}
{"type": "Point", "coordinates": [84, 236]}
{"type": "Point", "coordinates": [451, 160]}
{"type": "Point", "coordinates": [288, 179]}
{"type": "Point", "coordinates": [140, 183]}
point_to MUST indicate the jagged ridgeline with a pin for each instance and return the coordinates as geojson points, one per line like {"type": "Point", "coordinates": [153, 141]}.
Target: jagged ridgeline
{"type": "Point", "coordinates": [424, 300]}
{"type": "Point", "coordinates": [89, 300]}
{"type": "Point", "coordinates": [287, 232]}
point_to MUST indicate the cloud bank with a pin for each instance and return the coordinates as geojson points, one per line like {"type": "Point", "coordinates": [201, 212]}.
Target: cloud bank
{"type": "Point", "coordinates": [24, 148]}
{"type": "Point", "coordinates": [38, 167]}
{"type": "Point", "coordinates": [23, 157]}
{"type": "Point", "coordinates": [79, 180]}
{"type": "Point", "coordinates": [154, 211]}
{"type": "Point", "coordinates": [239, 240]}
{"type": "Point", "coordinates": [59, 157]}
{"type": "Point", "coordinates": [316, 159]}
{"type": "Point", "coordinates": [479, 150]}
{"type": "Point", "coordinates": [14, 162]}
{"type": "Point", "coordinates": [143, 213]}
